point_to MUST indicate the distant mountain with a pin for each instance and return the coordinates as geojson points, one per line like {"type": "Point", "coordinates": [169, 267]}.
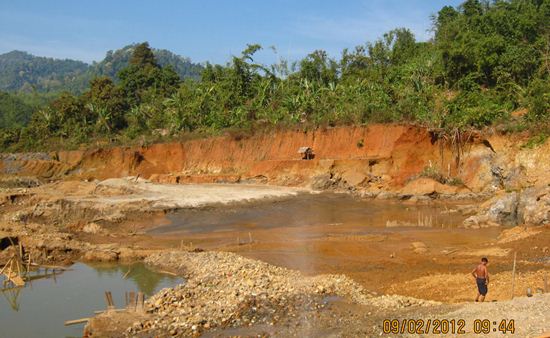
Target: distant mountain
{"type": "Point", "coordinates": [23, 72]}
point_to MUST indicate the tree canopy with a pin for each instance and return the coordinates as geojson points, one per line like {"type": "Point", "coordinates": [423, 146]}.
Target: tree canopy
{"type": "Point", "coordinates": [485, 61]}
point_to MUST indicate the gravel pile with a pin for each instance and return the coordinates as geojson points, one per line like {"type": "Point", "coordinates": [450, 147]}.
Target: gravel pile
{"type": "Point", "coordinates": [227, 290]}
{"type": "Point", "coordinates": [531, 315]}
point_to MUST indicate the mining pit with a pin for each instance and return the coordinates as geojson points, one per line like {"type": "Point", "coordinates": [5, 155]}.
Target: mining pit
{"type": "Point", "coordinates": [249, 239]}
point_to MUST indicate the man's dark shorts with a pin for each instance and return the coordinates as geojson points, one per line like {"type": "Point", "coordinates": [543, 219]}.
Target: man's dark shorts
{"type": "Point", "coordinates": [481, 286]}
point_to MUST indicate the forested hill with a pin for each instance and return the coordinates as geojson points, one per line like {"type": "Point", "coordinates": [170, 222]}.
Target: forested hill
{"type": "Point", "coordinates": [23, 72]}
{"type": "Point", "coordinates": [116, 60]}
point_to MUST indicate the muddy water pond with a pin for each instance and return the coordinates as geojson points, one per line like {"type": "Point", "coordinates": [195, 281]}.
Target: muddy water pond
{"type": "Point", "coordinates": [306, 210]}
{"type": "Point", "coordinates": [41, 308]}
{"type": "Point", "coordinates": [372, 241]}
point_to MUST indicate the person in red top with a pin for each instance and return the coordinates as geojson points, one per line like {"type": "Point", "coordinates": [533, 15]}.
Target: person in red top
{"type": "Point", "coordinates": [481, 274]}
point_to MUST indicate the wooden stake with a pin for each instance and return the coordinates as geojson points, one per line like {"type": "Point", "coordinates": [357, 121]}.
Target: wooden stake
{"type": "Point", "coordinates": [132, 300]}
{"type": "Point", "coordinates": [514, 274]}
{"type": "Point", "coordinates": [109, 300]}
{"type": "Point", "coordinates": [140, 302]}
{"type": "Point", "coordinates": [5, 266]}
{"type": "Point", "coordinates": [29, 262]}
{"type": "Point", "coordinates": [546, 283]}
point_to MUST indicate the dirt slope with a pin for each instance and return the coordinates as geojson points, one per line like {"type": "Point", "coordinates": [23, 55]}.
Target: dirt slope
{"type": "Point", "coordinates": [375, 158]}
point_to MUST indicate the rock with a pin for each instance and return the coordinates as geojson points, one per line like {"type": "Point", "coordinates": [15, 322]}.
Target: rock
{"type": "Point", "coordinates": [504, 210]}
{"type": "Point", "coordinates": [101, 256]}
{"type": "Point", "coordinates": [530, 207]}
{"type": "Point", "coordinates": [424, 186]}
{"type": "Point", "coordinates": [534, 206]}
{"type": "Point", "coordinates": [322, 182]}
{"type": "Point", "coordinates": [500, 210]}
{"type": "Point", "coordinates": [419, 247]}
{"type": "Point", "coordinates": [92, 228]}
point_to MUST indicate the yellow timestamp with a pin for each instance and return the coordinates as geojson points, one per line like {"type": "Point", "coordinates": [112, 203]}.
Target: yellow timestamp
{"type": "Point", "coordinates": [447, 326]}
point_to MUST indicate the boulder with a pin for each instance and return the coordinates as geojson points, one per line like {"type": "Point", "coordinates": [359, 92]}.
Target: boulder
{"type": "Point", "coordinates": [504, 209]}
{"type": "Point", "coordinates": [534, 206]}
{"type": "Point", "coordinates": [424, 186]}
{"type": "Point", "coordinates": [530, 207]}
{"type": "Point", "coordinates": [499, 210]}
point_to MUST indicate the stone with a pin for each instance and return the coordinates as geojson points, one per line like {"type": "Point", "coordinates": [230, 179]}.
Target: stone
{"type": "Point", "coordinates": [101, 256]}
{"type": "Point", "coordinates": [322, 182]}
{"type": "Point", "coordinates": [424, 186]}
{"type": "Point", "coordinates": [499, 210]}
{"type": "Point", "coordinates": [534, 206]}
{"type": "Point", "coordinates": [92, 228]}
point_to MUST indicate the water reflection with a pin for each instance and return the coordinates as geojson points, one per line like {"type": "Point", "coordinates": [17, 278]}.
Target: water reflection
{"type": "Point", "coordinates": [145, 281]}
{"type": "Point", "coordinates": [49, 299]}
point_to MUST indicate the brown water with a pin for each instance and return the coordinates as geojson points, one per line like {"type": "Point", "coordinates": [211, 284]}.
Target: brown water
{"type": "Point", "coordinates": [368, 240]}
{"type": "Point", "coordinates": [307, 210]}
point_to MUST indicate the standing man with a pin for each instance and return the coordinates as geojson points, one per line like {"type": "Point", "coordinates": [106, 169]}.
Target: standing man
{"type": "Point", "coordinates": [481, 275]}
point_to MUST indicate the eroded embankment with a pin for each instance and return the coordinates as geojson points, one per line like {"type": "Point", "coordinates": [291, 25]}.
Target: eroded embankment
{"type": "Point", "coordinates": [374, 158]}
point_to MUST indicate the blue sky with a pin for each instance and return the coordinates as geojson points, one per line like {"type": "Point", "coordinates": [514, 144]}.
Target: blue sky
{"type": "Point", "coordinates": [205, 30]}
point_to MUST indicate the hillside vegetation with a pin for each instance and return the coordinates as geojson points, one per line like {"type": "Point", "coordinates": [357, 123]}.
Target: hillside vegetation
{"type": "Point", "coordinates": [25, 73]}
{"type": "Point", "coordinates": [487, 65]}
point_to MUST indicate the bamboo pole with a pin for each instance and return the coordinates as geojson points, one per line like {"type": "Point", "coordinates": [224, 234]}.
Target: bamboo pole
{"type": "Point", "coordinates": [168, 273]}
{"type": "Point", "coordinates": [76, 321]}
{"type": "Point", "coordinates": [5, 266]}
{"type": "Point", "coordinates": [514, 274]}
{"type": "Point", "coordinates": [127, 273]}
{"type": "Point", "coordinates": [98, 312]}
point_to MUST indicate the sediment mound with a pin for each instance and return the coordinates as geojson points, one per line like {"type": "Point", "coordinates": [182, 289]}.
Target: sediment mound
{"type": "Point", "coordinates": [227, 290]}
